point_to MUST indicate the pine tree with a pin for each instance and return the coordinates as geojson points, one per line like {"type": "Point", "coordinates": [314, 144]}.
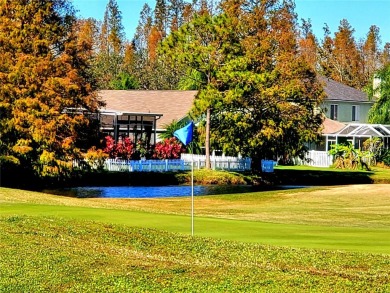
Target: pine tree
{"type": "Point", "coordinates": [175, 14]}
{"type": "Point", "coordinates": [109, 58]}
{"type": "Point", "coordinates": [257, 94]}
{"type": "Point", "coordinates": [325, 53]}
{"type": "Point", "coordinates": [370, 54]}
{"type": "Point", "coordinates": [272, 91]}
{"type": "Point", "coordinates": [143, 30]}
{"type": "Point", "coordinates": [112, 31]}
{"type": "Point", "coordinates": [160, 18]}
{"type": "Point", "coordinates": [150, 70]}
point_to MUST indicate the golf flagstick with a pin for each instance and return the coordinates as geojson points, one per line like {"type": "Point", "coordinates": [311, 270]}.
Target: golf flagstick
{"type": "Point", "coordinates": [192, 190]}
{"type": "Point", "coordinates": [185, 135]}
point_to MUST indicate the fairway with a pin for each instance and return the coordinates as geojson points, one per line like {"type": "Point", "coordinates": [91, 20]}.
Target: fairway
{"type": "Point", "coordinates": [351, 218]}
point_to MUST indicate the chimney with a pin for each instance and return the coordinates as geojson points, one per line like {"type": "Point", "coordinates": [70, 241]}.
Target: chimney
{"type": "Point", "coordinates": [376, 87]}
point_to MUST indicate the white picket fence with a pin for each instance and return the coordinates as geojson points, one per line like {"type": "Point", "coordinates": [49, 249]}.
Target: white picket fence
{"type": "Point", "coordinates": [218, 162]}
{"type": "Point", "coordinates": [317, 159]}
{"type": "Point", "coordinates": [144, 165]}
{"type": "Point", "coordinates": [313, 158]}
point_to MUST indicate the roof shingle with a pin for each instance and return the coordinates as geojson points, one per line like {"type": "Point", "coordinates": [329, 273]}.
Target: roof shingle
{"type": "Point", "coordinates": [336, 91]}
{"type": "Point", "coordinates": [172, 104]}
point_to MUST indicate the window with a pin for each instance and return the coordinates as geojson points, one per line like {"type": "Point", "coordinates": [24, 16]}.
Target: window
{"type": "Point", "coordinates": [334, 112]}
{"type": "Point", "coordinates": [332, 140]}
{"type": "Point", "coordinates": [355, 113]}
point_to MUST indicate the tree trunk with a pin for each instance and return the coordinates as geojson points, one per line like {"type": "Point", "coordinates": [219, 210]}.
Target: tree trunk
{"type": "Point", "coordinates": [207, 142]}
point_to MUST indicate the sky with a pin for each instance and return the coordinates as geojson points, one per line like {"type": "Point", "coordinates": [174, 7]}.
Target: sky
{"type": "Point", "coordinates": [361, 14]}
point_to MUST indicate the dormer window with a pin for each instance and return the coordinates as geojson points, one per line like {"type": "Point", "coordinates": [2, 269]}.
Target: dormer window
{"type": "Point", "coordinates": [334, 108]}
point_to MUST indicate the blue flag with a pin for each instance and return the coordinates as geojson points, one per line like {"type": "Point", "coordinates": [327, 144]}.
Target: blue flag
{"type": "Point", "coordinates": [185, 134]}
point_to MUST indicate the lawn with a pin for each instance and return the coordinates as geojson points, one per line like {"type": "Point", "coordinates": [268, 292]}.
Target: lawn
{"type": "Point", "coordinates": [354, 218]}
{"type": "Point", "coordinates": [318, 239]}
{"type": "Point", "coordinates": [51, 254]}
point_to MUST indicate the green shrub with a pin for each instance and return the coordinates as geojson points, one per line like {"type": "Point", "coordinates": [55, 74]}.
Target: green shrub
{"type": "Point", "coordinates": [385, 157]}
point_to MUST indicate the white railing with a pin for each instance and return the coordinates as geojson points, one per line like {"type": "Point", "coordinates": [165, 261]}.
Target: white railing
{"type": "Point", "coordinates": [318, 159]}
{"type": "Point", "coordinates": [144, 165]}
{"type": "Point", "coordinates": [313, 158]}
{"type": "Point", "coordinates": [217, 162]}
{"type": "Point", "coordinates": [119, 165]}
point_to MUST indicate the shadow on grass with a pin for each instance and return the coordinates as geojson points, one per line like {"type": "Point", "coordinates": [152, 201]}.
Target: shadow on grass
{"type": "Point", "coordinates": [305, 177]}
{"type": "Point", "coordinates": [319, 177]}
{"type": "Point", "coordinates": [30, 181]}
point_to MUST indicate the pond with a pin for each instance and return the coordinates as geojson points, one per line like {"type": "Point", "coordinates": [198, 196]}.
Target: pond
{"type": "Point", "coordinates": [159, 191]}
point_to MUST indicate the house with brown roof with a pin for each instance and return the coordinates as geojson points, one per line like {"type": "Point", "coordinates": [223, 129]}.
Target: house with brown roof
{"type": "Point", "coordinates": [142, 114]}
{"type": "Point", "coordinates": [347, 111]}
{"type": "Point", "coordinates": [344, 103]}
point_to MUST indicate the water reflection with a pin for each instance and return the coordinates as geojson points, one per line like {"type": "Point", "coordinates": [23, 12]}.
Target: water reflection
{"type": "Point", "coordinates": [156, 191]}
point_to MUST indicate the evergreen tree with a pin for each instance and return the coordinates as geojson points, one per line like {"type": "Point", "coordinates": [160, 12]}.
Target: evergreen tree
{"type": "Point", "coordinates": [143, 31]}
{"type": "Point", "coordinates": [326, 62]}
{"type": "Point", "coordinates": [151, 70]}
{"type": "Point", "coordinates": [257, 92]}
{"type": "Point", "coordinates": [379, 91]}
{"type": "Point", "coordinates": [112, 32]}
{"type": "Point", "coordinates": [161, 18]}
{"type": "Point", "coordinates": [202, 45]}
{"type": "Point", "coordinates": [370, 54]}
{"type": "Point", "coordinates": [109, 58]}
{"type": "Point", "coordinates": [272, 92]}
{"type": "Point", "coordinates": [175, 14]}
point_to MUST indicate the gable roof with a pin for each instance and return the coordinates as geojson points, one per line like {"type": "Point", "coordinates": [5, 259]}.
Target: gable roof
{"type": "Point", "coordinates": [336, 91]}
{"type": "Point", "coordinates": [173, 104]}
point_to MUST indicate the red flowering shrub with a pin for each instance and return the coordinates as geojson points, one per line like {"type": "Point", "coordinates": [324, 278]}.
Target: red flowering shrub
{"type": "Point", "coordinates": [110, 147]}
{"type": "Point", "coordinates": [123, 149]}
{"type": "Point", "coordinates": [170, 148]}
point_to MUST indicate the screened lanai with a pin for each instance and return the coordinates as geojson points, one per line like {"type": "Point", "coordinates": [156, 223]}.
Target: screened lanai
{"type": "Point", "coordinates": [356, 134]}
{"type": "Point", "coordinates": [126, 124]}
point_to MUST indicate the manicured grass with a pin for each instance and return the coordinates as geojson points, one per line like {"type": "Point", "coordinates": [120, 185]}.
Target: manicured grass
{"type": "Point", "coordinates": [355, 218]}
{"type": "Point", "coordinates": [380, 175]}
{"type": "Point", "coordinates": [327, 239]}
{"type": "Point", "coordinates": [309, 236]}
{"type": "Point", "coordinates": [52, 254]}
